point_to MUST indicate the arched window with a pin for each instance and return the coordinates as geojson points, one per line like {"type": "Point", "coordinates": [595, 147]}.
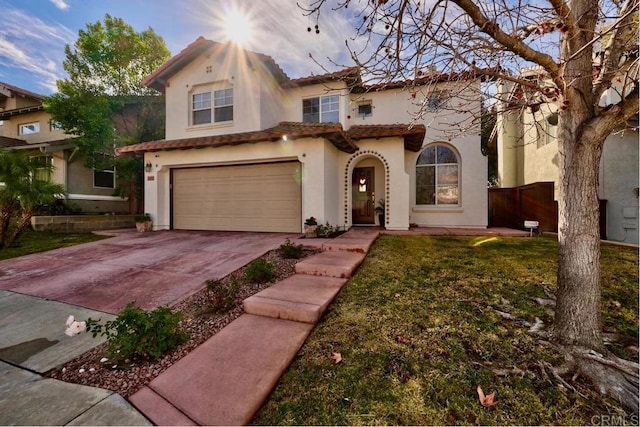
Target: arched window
{"type": "Point", "coordinates": [437, 176]}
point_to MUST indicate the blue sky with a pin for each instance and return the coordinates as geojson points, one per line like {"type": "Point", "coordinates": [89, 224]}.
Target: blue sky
{"type": "Point", "coordinates": [33, 33]}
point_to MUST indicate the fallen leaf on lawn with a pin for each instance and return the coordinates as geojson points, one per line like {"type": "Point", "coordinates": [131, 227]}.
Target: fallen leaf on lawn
{"type": "Point", "coordinates": [337, 357]}
{"type": "Point", "coordinates": [488, 400]}
{"type": "Point", "coordinates": [402, 340]}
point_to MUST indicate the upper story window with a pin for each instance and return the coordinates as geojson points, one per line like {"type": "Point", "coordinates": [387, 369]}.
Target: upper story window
{"type": "Point", "coordinates": [365, 109]}
{"type": "Point", "coordinates": [437, 176]}
{"type": "Point", "coordinates": [323, 109]}
{"type": "Point", "coordinates": [53, 125]}
{"type": "Point", "coordinates": [436, 101]}
{"type": "Point", "coordinates": [201, 107]}
{"type": "Point", "coordinates": [546, 130]}
{"type": "Point", "coordinates": [29, 128]}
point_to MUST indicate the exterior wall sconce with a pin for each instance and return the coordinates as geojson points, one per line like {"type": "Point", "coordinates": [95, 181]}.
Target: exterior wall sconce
{"type": "Point", "coordinates": [148, 166]}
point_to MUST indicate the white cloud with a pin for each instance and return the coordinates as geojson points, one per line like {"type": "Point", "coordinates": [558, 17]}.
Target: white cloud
{"type": "Point", "coordinates": [60, 4]}
{"type": "Point", "coordinates": [30, 45]}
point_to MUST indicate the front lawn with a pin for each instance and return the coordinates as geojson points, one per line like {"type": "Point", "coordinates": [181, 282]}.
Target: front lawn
{"type": "Point", "coordinates": [425, 321]}
{"type": "Point", "coordinates": [31, 242]}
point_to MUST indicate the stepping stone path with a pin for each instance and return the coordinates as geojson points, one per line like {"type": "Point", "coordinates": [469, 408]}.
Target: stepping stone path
{"type": "Point", "coordinates": [225, 380]}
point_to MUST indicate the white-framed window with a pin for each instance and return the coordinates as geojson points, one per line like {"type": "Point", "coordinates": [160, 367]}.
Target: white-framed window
{"type": "Point", "coordinates": [53, 125]}
{"type": "Point", "coordinates": [438, 176]}
{"type": "Point", "coordinates": [436, 101]}
{"type": "Point", "coordinates": [203, 111]}
{"type": "Point", "coordinates": [323, 109]}
{"type": "Point", "coordinates": [223, 105]}
{"type": "Point", "coordinates": [201, 108]}
{"type": "Point", "coordinates": [365, 109]}
{"type": "Point", "coordinates": [546, 130]}
{"type": "Point", "coordinates": [29, 128]}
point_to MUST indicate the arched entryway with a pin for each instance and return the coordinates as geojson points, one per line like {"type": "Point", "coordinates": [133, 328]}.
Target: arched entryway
{"type": "Point", "coordinates": [366, 190]}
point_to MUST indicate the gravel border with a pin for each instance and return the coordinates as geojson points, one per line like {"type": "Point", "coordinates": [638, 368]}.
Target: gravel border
{"type": "Point", "coordinates": [199, 321]}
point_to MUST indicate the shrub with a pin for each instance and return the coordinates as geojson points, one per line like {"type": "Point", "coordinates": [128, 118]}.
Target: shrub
{"type": "Point", "coordinates": [137, 333]}
{"type": "Point", "coordinates": [326, 230]}
{"type": "Point", "coordinates": [145, 217]}
{"type": "Point", "coordinates": [291, 250]}
{"type": "Point", "coordinates": [223, 297]}
{"type": "Point", "coordinates": [259, 271]}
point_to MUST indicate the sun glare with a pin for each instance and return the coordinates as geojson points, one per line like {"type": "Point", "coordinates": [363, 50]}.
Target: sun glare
{"type": "Point", "coordinates": [237, 27]}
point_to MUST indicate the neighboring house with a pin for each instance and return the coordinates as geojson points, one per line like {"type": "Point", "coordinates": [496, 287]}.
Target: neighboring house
{"type": "Point", "coordinates": [528, 154]}
{"type": "Point", "coordinates": [249, 149]}
{"type": "Point", "coordinates": [26, 126]}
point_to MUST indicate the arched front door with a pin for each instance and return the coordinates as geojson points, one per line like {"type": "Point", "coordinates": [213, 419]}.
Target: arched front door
{"type": "Point", "coordinates": [363, 195]}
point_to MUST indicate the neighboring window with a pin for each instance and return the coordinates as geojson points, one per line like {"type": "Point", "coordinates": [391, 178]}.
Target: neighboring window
{"type": "Point", "coordinates": [29, 128]}
{"type": "Point", "coordinates": [44, 166]}
{"type": "Point", "coordinates": [365, 109]}
{"type": "Point", "coordinates": [223, 105]}
{"type": "Point", "coordinates": [324, 109]}
{"type": "Point", "coordinates": [436, 101]}
{"type": "Point", "coordinates": [437, 176]}
{"type": "Point", "coordinates": [55, 125]}
{"type": "Point", "coordinates": [201, 108]}
{"type": "Point", "coordinates": [104, 176]}
{"type": "Point", "coordinates": [546, 130]}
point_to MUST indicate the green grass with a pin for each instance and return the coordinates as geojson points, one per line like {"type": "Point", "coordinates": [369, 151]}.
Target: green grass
{"type": "Point", "coordinates": [31, 242]}
{"type": "Point", "coordinates": [418, 332]}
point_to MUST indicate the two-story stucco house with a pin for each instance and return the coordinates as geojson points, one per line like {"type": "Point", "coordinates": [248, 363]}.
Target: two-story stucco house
{"type": "Point", "coordinates": [528, 154]}
{"type": "Point", "coordinates": [26, 126]}
{"type": "Point", "coordinates": [249, 149]}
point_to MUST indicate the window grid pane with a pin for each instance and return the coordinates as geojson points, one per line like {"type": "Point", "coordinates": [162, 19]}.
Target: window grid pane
{"type": "Point", "coordinates": [437, 177]}
{"type": "Point", "coordinates": [311, 110]}
{"type": "Point", "coordinates": [329, 109]}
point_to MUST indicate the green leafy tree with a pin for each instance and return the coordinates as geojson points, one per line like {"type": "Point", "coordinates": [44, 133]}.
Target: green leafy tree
{"type": "Point", "coordinates": [25, 187]}
{"type": "Point", "coordinates": [103, 103]}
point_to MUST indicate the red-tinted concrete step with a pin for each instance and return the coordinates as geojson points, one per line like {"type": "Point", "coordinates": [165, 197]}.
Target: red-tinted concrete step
{"type": "Point", "coordinates": [225, 380]}
{"type": "Point", "coordinates": [349, 244]}
{"type": "Point", "coordinates": [301, 298]}
{"type": "Point", "coordinates": [332, 264]}
{"type": "Point", "coordinates": [158, 410]}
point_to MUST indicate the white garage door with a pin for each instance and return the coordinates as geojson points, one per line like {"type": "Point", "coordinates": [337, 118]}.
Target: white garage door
{"type": "Point", "coordinates": [261, 197]}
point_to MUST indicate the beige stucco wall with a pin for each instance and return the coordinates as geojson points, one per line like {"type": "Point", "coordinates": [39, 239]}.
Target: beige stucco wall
{"type": "Point", "coordinates": [250, 110]}
{"type": "Point", "coordinates": [11, 128]}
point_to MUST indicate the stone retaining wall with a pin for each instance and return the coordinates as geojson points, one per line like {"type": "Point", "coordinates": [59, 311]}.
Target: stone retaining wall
{"type": "Point", "coordinates": [82, 223]}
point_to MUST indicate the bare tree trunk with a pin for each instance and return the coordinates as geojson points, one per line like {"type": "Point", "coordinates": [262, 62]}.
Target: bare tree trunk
{"type": "Point", "coordinates": [577, 320]}
{"type": "Point", "coordinates": [6, 212]}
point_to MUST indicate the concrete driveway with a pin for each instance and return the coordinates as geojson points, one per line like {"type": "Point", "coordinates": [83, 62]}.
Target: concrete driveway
{"type": "Point", "coordinates": [154, 269]}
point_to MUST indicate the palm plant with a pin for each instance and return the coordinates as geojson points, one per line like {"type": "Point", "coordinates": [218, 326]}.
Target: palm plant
{"type": "Point", "coordinates": [23, 188]}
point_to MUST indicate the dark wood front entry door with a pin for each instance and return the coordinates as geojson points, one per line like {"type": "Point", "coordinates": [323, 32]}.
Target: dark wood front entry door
{"type": "Point", "coordinates": [363, 196]}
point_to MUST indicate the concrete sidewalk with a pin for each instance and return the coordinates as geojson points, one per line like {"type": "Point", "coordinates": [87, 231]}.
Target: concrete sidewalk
{"type": "Point", "coordinates": [226, 380]}
{"type": "Point", "coordinates": [33, 342]}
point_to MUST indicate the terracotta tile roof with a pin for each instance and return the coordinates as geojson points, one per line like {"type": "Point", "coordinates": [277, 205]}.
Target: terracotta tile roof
{"type": "Point", "coordinates": [331, 131]}
{"type": "Point", "coordinates": [434, 78]}
{"type": "Point", "coordinates": [159, 77]}
{"type": "Point", "coordinates": [350, 75]}
{"type": "Point", "coordinates": [413, 137]}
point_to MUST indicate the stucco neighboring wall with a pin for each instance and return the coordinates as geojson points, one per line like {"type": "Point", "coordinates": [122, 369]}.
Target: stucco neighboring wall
{"type": "Point", "coordinates": [11, 128]}
{"type": "Point", "coordinates": [618, 179]}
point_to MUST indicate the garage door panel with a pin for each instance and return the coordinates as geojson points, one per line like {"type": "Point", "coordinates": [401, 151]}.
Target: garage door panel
{"type": "Point", "coordinates": [265, 197]}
